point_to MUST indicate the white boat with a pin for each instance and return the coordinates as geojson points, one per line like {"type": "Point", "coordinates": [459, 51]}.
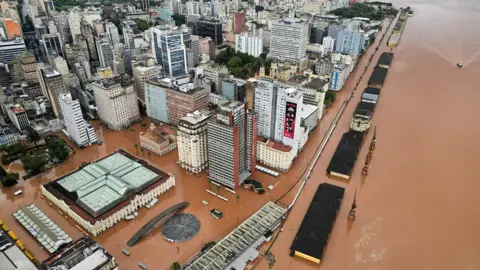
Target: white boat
{"type": "Point", "coordinates": [18, 192]}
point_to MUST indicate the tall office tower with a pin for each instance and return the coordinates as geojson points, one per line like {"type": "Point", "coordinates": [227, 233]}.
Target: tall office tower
{"type": "Point", "coordinates": [74, 19]}
{"type": "Point", "coordinates": [234, 89]}
{"type": "Point", "coordinates": [105, 52]}
{"type": "Point", "coordinates": [142, 74]}
{"type": "Point", "coordinates": [79, 132]}
{"type": "Point", "coordinates": [61, 20]}
{"type": "Point", "coordinates": [112, 31]}
{"type": "Point", "coordinates": [170, 50]}
{"type": "Point", "coordinates": [227, 143]}
{"type": "Point", "coordinates": [287, 117]}
{"type": "Point", "coordinates": [195, 49]}
{"type": "Point", "coordinates": [87, 32]}
{"type": "Point", "coordinates": [251, 45]}
{"type": "Point", "coordinates": [52, 82]}
{"type": "Point", "coordinates": [18, 116]}
{"type": "Point", "coordinates": [349, 42]}
{"type": "Point", "coordinates": [130, 31]}
{"type": "Point", "coordinates": [192, 141]}
{"type": "Point", "coordinates": [317, 33]}
{"type": "Point", "coordinates": [80, 71]}
{"type": "Point", "coordinates": [265, 106]}
{"type": "Point", "coordinates": [10, 49]}
{"type": "Point", "coordinates": [145, 5]}
{"type": "Point", "coordinates": [328, 44]}
{"type": "Point", "coordinates": [239, 21]}
{"type": "Point", "coordinates": [156, 99]}
{"type": "Point", "coordinates": [216, 73]}
{"type": "Point", "coordinates": [25, 68]}
{"type": "Point", "coordinates": [185, 99]}
{"type": "Point", "coordinates": [117, 106]}
{"type": "Point", "coordinates": [334, 29]}
{"type": "Point", "coordinates": [210, 28]}
{"type": "Point", "coordinates": [288, 40]}
{"type": "Point", "coordinates": [61, 65]}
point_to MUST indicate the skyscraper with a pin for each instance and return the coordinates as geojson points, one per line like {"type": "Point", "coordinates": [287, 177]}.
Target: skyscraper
{"type": "Point", "coordinates": [87, 32]}
{"type": "Point", "coordinates": [105, 52]}
{"type": "Point", "coordinates": [288, 40]}
{"type": "Point", "coordinates": [141, 74]}
{"type": "Point", "coordinates": [169, 49]}
{"type": "Point", "coordinates": [112, 31]}
{"type": "Point", "coordinates": [251, 45]}
{"type": "Point", "coordinates": [52, 81]}
{"type": "Point", "coordinates": [349, 42]}
{"type": "Point", "coordinates": [228, 139]}
{"type": "Point", "coordinates": [210, 28]}
{"type": "Point", "coordinates": [192, 141]}
{"type": "Point", "coordinates": [156, 97]}
{"type": "Point", "coordinates": [79, 132]}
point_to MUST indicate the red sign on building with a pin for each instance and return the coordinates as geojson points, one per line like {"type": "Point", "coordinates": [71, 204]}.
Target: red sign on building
{"type": "Point", "coordinates": [290, 115]}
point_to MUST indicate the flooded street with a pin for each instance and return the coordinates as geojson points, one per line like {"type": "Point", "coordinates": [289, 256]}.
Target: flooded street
{"type": "Point", "coordinates": [417, 208]}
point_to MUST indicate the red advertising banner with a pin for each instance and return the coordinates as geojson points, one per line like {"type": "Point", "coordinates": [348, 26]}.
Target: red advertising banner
{"type": "Point", "coordinates": [290, 115]}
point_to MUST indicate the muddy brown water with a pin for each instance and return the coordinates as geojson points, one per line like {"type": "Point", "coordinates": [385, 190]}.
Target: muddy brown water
{"type": "Point", "coordinates": [416, 209]}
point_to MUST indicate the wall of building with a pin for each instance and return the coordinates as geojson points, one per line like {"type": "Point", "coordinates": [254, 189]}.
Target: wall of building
{"type": "Point", "coordinates": [102, 225]}
{"type": "Point", "coordinates": [275, 158]}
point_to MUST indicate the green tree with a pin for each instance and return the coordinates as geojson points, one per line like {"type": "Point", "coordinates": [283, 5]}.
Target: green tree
{"type": "Point", "coordinates": [33, 135]}
{"type": "Point", "coordinates": [175, 266]}
{"type": "Point", "coordinates": [144, 126]}
{"type": "Point", "coordinates": [148, 154]}
{"type": "Point", "coordinates": [209, 184]}
{"type": "Point", "coordinates": [57, 150]}
{"type": "Point", "coordinates": [143, 25]}
{"type": "Point", "coordinates": [238, 197]}
{"type": "Point", "coordinates": [179, 19]}
{"type": "Point", "coordinates": [10, 179]}
{"type": "Point", "coordinates": [136, 148]}
{"type": "Point", "coordinates": [234, 62]}
{"type": "Point", "coordinates": [33, 165]}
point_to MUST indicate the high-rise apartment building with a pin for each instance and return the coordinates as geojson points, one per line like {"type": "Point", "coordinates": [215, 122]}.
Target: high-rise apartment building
{"type": "Point", "coordinates": [210, 28]}
{"type": "Point", "coordinates": [192, 141]}
{"type": "Point", "coordinates": [53, 86]}
{"type": "Point", "coordinates": [79, 132]}
{"type": "Point", "coordinates": [10, 49]}
{"type": "Point", "coordinates": [52, 44]}
{"type": "Point", "coordinates": [105, 52]}
{"type": "Point", "coordinates": [169, 49]}
{"type": "Point", "coordinates": [334, 29]}
{"type": "Point", "coordinates": [288, 40]}
{"type": "Point", "coordinates": [87, 32]}
{"type": "Point", "coordinates": [18, 116]}
{"type": "Point", "coordinates": [25, 68]}
{"type": "Point", "coordinates": [61, 65]}
{"type": "Point", "coordinates": [156, 99]}
{"type": "Point", "coordinates": [185, 99]}
{"type": "Point", "coordinates": [74, 19]}
{"type": "Point", "coordinates": [338, 77]}
{"type": "Point", "coordinates": [112, 32]}
{"type": "Point", "coordinates": [216, 73]}
{"type": "Point", "coordinates": [234, 89]}
{"type": "Point", "coordinates": [265, 106]}
{"type": "Point", "coordinates": [251, 45]}
{"type": "Point", "coordinates": [349, 42]}
{"type": "Point", "coordinates": [227, 145]}
{"type": "Point", "coordinates": [288, 117]}
{"type": "Point", "coordinates": [195, 49]}
{"type": "Point", "coordinates": [142, 74]}
{"type": "Point", "coordinates": [116, 103]}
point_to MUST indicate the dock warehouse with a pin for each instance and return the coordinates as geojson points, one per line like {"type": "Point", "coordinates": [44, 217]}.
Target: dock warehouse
{"type": "Point", "coordinates": [343, 160]}
{"type": "Point", "coordinates": [371, 95]}
{"type": "Point", "coordinates": [312, 236]}
{"type": "Point", "coordinates": [377, 79]}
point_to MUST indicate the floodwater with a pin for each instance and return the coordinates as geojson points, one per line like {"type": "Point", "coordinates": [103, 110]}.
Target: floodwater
{"type": "Point", "coordinates": [417, 208]}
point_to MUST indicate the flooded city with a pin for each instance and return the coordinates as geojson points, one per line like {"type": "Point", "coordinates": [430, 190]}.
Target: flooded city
{"type": "Point", "coordinates": [416, 208]}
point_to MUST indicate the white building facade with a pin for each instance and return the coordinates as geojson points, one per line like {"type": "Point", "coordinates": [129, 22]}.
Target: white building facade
{"type": "Point", "coordinates": [278, 158]}
{"type": "Point", "coordinates": [288, 40]}
{"type": "Point", "coordinates": [192, 142]}
{"type": "Point", "coordinates": [102, 225]}
{"type": "Point", "coordinates": [79, 132]}
{"type": "Point", "coordinates": [251, 45]}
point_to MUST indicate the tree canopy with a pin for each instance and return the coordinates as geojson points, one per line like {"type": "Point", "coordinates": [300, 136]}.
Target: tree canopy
{"type": "Point", "coordinates": [10, 179]}
{"type": "Point", "coordinates": [33, 164]}
{"type": "Point", "coordinates": [364, 11]}
{"type": "Point", "coordinates": [242, 65]}
{"type": "Point", "coordinates": [57, 150]}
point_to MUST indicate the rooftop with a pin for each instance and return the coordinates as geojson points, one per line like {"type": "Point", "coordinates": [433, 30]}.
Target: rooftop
{"type": "Point", "coordinates": [237, 242]}
{"type": "Point", "coordinates": [345, 155]}
{"type": "Point", "coordinates": [17, 109]}
{"type": "Point", "coordinates": [313, 234]}
{"type": "Point", "coordinates": [378, 76]}
{"type": "Point", "coordinates": [50, 72]}
{"type": "Point", "coordinates": [316, 84]}
{"type": "Point", "coordinates": [83, 254]}
{"type": "Point", "coordinates": [307, 110]}
{"type": "Point", "coordinates": [372, 90]}
{"type": "Point", "coordinates": [278, 146]}
{"type": "Point", "coordinates": [196, 117]}
{"type": "Point", "coordinates": [101, 188]}
{"type": "Point", "coordinates": [385, 59]}
{"type": "Point", "coordinates": [298, 79]}
{"type": "Point", "coordinates": [160, 134]}
{"type": "Point", "coordinates": [13, 258]}
{"type": "Point", "coordinates": [42, 228]}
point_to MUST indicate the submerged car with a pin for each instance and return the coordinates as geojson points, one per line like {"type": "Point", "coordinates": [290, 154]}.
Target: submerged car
{"type": "Point", "coordinates": [459, 64]}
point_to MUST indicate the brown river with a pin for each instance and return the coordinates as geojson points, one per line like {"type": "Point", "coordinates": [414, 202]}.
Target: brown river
{"type": "Point", "coordinates": [416, 208]}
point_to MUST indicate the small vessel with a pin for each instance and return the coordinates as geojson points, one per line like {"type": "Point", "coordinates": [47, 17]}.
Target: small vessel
{"type": "Point", "coordinates": [460, 64]}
